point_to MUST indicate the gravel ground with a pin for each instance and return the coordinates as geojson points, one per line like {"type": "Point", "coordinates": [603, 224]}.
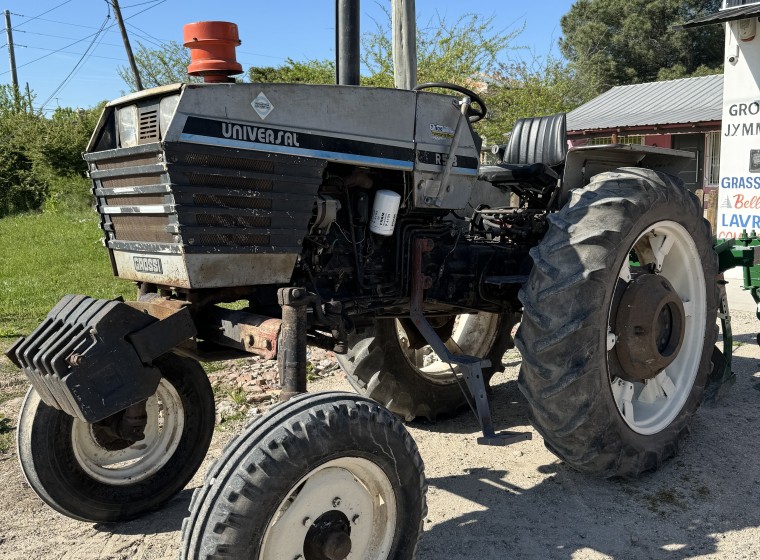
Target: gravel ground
{"type": "Point", "coordinates": [484, 502]}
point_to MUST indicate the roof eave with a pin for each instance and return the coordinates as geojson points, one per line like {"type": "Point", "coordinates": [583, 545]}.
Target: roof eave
{"type": "Point", "coordinates": [723, 16]}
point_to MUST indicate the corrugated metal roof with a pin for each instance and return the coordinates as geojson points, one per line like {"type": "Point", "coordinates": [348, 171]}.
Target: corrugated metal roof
{"type": "Point", "coordinates": [731, 14]}
{"type": "Point", "coordinates": [688, 100]}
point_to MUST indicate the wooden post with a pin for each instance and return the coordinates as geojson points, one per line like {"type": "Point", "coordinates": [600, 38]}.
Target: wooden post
{"type": "Point", "coordinates": [712, 211]}
{"type": "Point", "coordinates": [404, 23]}
{"type": "Point", "coordinates": [127, 46]}
{"type": "Point", "coordinates": [12, 58]}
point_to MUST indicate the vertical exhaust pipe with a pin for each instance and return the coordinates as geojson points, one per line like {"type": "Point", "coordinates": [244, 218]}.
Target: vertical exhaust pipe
{"type": "Point", "coordinates": [347, 42]}
{"type": "Point", "coordinates": [212, 50]}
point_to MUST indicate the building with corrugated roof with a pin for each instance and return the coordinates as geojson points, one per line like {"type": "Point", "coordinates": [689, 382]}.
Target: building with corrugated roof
{"type": "Point", "coordinates": [682, 114]}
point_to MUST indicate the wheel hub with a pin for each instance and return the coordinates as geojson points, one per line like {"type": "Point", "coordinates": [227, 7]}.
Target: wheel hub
{"type": "Point", "coordinates": [329, 538]}
{"type": "Point", "coordinates": [650, 327]}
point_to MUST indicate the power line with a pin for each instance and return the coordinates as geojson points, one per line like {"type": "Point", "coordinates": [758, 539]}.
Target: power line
{"type": "Point", "coordinates": [263, 55]}
{"type": "Point", "coordinates": [42, 14]}
{"type": "Point", "coordinates": [60, 36]}
{"type": "Point", "coordinates": [55, 51]}
{"type": "Point", "coordinates": [140, 4]}
{"type": "Point", "coordinates": [79, 62]}
{"type": "Point", "coordinates": [155, 4]}
{"type": "Point", "coordinates": [70, 52]}
{"type": "Point", "coordinates": [158, 2]}
{"type": "Point", "coordinates": [55, 21]}
{"type": "Point", "coordinates": [147, 38]}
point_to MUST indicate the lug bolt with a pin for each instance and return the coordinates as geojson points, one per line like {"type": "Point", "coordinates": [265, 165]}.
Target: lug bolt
{"type": "Point", "coordinates": [76, 360]}
{"type": "Point", "coordinates": [336, 502]}
{"type": "Point", "coordinates": [355, 519]}
{"type": "Point", "coordinates": [307, 521]}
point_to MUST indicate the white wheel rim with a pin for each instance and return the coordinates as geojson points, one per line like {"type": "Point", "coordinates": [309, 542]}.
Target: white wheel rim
{"type": "Point", "coordinates": [473, 335]}
{"type": "Point", "coordinates": [649, 407]}
{"type": "Point", "coordinates": [163, 432]}
{"type": "Point", "coordinates": [354, 486]}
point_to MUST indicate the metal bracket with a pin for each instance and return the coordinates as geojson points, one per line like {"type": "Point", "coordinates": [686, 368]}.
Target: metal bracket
{"type": "Point", "coordinates": [722, 377]}
{"type": "Point", "coordinates": [291, 357]}
{"type": "Point", "coordinates": [443, 184]}
{"type": "Point", "coordinates": [470, 367]}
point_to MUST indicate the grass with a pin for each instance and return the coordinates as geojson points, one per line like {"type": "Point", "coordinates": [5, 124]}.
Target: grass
{"type": "Point", "coordinates": [13, 383]}
{"type": "Point", "coordinates": [6, 434]}
{"type": "Point", "coordinates": [664, 498]}
{"type": "Point", "coordinates": [44, 256]}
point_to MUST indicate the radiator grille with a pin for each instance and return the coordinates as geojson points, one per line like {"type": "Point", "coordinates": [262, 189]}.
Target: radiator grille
{"type": "Point", "coordinates": [148, 126]}
{"type": "Point", "coordinates": [211, 160]}
{"type": "Point", "coordinates": [232, 201]}
{"type": "Point", "coordinates": [226, 220]}
{"type": "Point", "coordinates": [215, 203]}
{"type": "Point", "coordinates": [137, 181]}
{"type": "Point", "coordinates": [127, 161]}
{"type": "Point", "coordinates": [135, 200]}
{"type": "Point", "coordinates": [147, 229]}
{"type": "Point", "coordinates": [230, 182]}
{"type": "Point", "coordinates": [232, 239]}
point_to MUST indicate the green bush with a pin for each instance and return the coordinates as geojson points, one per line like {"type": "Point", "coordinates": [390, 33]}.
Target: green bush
{"type": "Point", "coordinates": [41, 161]}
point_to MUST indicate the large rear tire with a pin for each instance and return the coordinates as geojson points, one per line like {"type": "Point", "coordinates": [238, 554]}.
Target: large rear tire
{"type": "Point", "coordinates": [391, 366]}
{"type": "Point", "coordinates": [81, 473]}
{"type": "Point", "coordinates": [616, 357]}
{"type": "Point", "coordinates": [318, 477]}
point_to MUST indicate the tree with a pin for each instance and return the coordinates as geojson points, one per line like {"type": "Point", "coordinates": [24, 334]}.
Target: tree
{"type": "Point", "coordinates": [463, 52]}
{"type": "Point", "coordinates": [159, 67]}
{"type": "Point", "coordinates": [541, 87]}
{"type": "Point", "coordinates": [292, 72]}
{"type": "Point", "coordinates": [614, 42]}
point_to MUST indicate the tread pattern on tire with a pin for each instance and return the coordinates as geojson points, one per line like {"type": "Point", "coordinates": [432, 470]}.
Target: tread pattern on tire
{"type": "Point", "coordinates": [51, 469]}
{"type": "Point", "coordinates": [244, 471]}
{"type": "Point", "coordinates": [563, 332]}
{"type": "Point", "coordinates": [376, 368]}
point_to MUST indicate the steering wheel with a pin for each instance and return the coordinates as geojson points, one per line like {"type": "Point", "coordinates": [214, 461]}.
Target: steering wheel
{"type": "Point", "coordinates": [473, 114]}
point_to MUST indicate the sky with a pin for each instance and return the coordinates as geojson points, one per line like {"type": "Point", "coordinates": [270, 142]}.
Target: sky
{"type": "Point", "coordinates": [52, 36]}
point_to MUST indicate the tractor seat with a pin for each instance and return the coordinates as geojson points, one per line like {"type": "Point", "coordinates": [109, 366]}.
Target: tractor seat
{"type": "Point", "coordinates": [537, 174]}
{"type": "Point", "coordinates": [534, 155]}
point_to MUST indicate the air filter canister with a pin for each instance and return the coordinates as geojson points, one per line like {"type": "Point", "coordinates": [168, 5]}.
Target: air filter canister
{"type": "Point", "coordinates": [384, 212]}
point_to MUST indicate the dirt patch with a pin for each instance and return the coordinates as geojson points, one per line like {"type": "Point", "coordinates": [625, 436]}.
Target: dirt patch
{"type": "Point", "coordinates": [484, 502]}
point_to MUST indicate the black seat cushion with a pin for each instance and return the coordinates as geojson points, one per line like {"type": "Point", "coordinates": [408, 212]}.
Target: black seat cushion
{"type": "Point", "coordinates": [537, 174]}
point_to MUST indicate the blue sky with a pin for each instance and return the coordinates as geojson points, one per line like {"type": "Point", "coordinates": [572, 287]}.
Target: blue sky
{"type": "Point", "coordinates": [49, 45]}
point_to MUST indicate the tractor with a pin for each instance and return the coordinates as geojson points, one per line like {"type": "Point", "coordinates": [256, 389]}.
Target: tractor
{"type": "Point", "coordinates": [359, 220]}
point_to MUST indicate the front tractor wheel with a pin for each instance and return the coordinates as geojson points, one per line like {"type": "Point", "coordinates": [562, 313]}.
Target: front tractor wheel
{"type": "Point", "coordinates": [619, 323]}
{"type": "Point", "coordinates": [90, 473]}
{"type": "Point", "coordinates": [323, 476]}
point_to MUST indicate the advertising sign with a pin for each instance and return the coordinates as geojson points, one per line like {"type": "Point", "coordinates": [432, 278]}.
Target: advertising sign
{"type": "Point", "coordinates": [739, 190]}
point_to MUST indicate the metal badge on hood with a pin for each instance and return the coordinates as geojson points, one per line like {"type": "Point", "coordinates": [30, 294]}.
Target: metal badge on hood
{"type": "Point", "coordinates": [261, 105]}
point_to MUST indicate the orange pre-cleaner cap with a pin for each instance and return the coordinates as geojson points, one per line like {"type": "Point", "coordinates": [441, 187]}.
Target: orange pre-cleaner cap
{"type": "Point", "coordinates": [212, 50]}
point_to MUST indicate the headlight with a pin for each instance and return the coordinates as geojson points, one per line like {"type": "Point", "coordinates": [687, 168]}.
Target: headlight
{"type": "Point", "coordinates": [166, 110]}
{"type": "Point", "coordinates": [127, 123]}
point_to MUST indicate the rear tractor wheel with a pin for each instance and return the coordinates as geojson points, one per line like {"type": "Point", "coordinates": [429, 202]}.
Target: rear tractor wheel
{"type": "Point", "coordinates": [619, 323]}
{"type": "Point", "coordinates": [393, 365]}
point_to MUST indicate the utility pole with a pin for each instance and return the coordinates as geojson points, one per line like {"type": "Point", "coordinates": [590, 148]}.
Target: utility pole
{"type": "Point", "coordinates": [404, 24]}
{"type": "Point", "coordinates": [12, 56]}
{"type": "Point", "coordinates": [130, 56]}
